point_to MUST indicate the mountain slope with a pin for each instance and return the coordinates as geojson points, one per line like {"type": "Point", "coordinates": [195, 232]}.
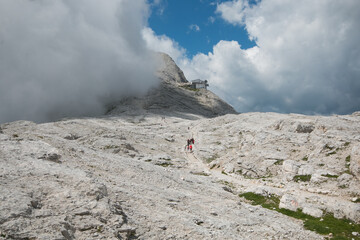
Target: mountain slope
{"type": "Point", "coordinates": [172, 95]}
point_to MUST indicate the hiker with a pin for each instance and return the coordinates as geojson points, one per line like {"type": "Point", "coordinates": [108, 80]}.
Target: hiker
{"type": "Point", "coordinates": [192, 140]}
{"type": "Point", "coordinates": [190, 148]}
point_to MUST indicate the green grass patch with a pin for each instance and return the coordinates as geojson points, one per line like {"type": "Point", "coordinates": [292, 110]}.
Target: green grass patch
{"type": "Point", "coordinates": [270, 202]}
{"type": "Point", "coordinates": [111, 147]}
{"type": "Point", "coordinates": [305, 158]}
{"type": "Point", "coordinates": [223, 172]}
{"type": "Point", "coordinates": [347, 144]}
{"type": "Point", "coordinates": [200, 174]}
{"type": "Point", "coordinates": [302, 178]}
{"type": "Point", "coordinates": [331, 153]}
{"type": "Point", "coordinates": [329, 147]}
{"type": "Point", "coordinates": [348, 158]}
{"type": "Point", "coordinates": [164, 164]}
{"type": "Point", "coordinates": [279, 162]}
{"type": "Point", "coordinates": [212, 158]}
{"type": "Point", "coordinates": [229, 184]}
{"type": "Point", "coordinates": [330, 176]}
{"type": "Point", "coordinates": [340, 228]}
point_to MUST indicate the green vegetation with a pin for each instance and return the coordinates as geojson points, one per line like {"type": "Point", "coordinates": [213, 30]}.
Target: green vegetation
{"type": "Point", "coordinates": [223, 172]}
{"type": "Point", "coordinates": [229, 184]}
{"type": "Point", "coordinates": [271, 202]}
{"type": "Point", "coordinates": [214, 165]}
{"type": "Point", "coordinates": [330, 176]}
{"type": "Point", "coordinates": [321, 164]}
{"type": "Point", "coordinates": [347, 144]}
{"type": "Point", "coordinates": [331, 153]}
{"type": "Point", "coordinates": [164, 164]}
{"type": "Point", "coordinates": [340, 228]}
{"type": "Point", "coordinates": [190, 88]}
{"type": "Point", "coordinates": [303, 178]}
{"type": "Point", "coordinates": [99, 229]}
{"type": "Point", "coordinates": [200, 174]}
{"type": "Point", "coordinates": [110, 147]}
{"type": "Point", "coordinates": [279, 162]}
{"type": "Point", "coordinates": [212, 158]}
{"type": "Point", "coordinates": [329, 147]}
{"type": "Point", "coordinates": [305, 158]}
{"type": "Point", "coordinates": [348, 158]}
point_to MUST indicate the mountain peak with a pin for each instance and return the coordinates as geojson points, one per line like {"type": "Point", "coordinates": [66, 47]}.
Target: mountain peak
{"type": "Point", "coordinates": [174, 94]}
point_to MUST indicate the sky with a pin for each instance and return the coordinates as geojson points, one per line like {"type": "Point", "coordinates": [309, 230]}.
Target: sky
{"type": "Point", "coordinates": [195, 25]}
{"type": "Point", "coordinates": [278, 55]}
{"type": "Point", "coordinates": [71, 58]}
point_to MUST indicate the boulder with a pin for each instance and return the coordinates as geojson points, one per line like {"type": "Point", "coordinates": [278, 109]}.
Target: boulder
{"type": "Point", "coordinates": [290, 166]}
{"type": "Point", "coordinates": [344, 180]}
{"type": "Point", "coordinates": [313, 211]}
{"type": "Point", "coordinates": [306, 170]}
{"type": "Point", "coordinates": [288, 201]}
{"type": "Point", "coordinates": [305, 128]}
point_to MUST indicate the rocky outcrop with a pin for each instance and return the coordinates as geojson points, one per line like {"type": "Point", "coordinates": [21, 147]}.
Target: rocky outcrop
{"type": "Point", "coordinates": [173, 95]}
{"type": "Point", "coordinates": [169, 71]}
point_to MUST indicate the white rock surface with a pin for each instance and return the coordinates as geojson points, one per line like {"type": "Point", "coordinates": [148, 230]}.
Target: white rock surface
{"type": "Point", "coordinates": [128, 176]}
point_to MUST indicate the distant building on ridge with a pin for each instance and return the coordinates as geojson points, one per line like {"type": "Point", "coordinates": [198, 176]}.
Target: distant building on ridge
{"type": "Point", "coordinates": [198, 83]}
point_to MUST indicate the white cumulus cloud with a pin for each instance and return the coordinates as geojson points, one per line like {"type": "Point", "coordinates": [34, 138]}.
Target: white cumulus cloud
{"type": "Point", "coordinates": [307, 57]}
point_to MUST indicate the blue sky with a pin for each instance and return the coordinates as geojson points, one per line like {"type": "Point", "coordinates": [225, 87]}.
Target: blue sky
{"type": "Point", "coordinates": [195, 25]}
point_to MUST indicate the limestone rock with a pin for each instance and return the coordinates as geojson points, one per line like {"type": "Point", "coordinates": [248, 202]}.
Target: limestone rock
{"type": "Point", "coordinates": [313, 211]}
{"type": "Point", "coordinates": [290, 166]}
{"type": "Point", "coordinates": [288, 201]}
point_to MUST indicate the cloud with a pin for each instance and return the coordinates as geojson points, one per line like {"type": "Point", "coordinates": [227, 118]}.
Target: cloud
{"type": "Point", "coordinates": [70, 58]}
{"type": "Point", "coordinates": [307, 58]}
{"type": "Point", "coordinates": [194, 27]}
{"type": "Point", "coordinates": [162, 44]}
{"type": "Point", "coordinates": [234, 11]}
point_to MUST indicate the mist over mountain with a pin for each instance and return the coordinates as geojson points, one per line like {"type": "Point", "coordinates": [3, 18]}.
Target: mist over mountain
{"type": "Point", "coordinates": [71, 58]}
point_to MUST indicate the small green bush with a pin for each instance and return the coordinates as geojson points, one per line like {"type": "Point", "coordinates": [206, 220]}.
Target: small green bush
{"type": "Point", "coordinates": [348, 158]}
{"type": "Point", "coordinates": [303, 178]}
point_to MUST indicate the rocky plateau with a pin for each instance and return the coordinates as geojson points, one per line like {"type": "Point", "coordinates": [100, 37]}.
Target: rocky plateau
{"type": "Point", "coordinates": [128, 175]}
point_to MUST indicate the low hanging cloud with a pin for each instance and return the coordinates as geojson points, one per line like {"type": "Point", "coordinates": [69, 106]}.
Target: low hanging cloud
{"type": "Point", "coordinates": [307, 58]}
{"type": "Point", "coordinates": [70, 58]}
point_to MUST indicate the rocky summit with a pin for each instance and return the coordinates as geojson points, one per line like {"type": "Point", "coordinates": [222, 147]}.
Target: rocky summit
{"type": "Point", "coordinates": [129, 174]}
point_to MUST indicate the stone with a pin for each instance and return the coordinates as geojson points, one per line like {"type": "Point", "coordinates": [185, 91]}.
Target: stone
{"type": "Point", "coordinates": [305, 128]}
{"type": "Point", "coordinates": [290, 166]}
{"type": "Point", "coordinates": [313, 211]}
{"type": "Point", "coordinates": [288, 201]}
{"type": "Point", "coordinates": [104, 195]}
